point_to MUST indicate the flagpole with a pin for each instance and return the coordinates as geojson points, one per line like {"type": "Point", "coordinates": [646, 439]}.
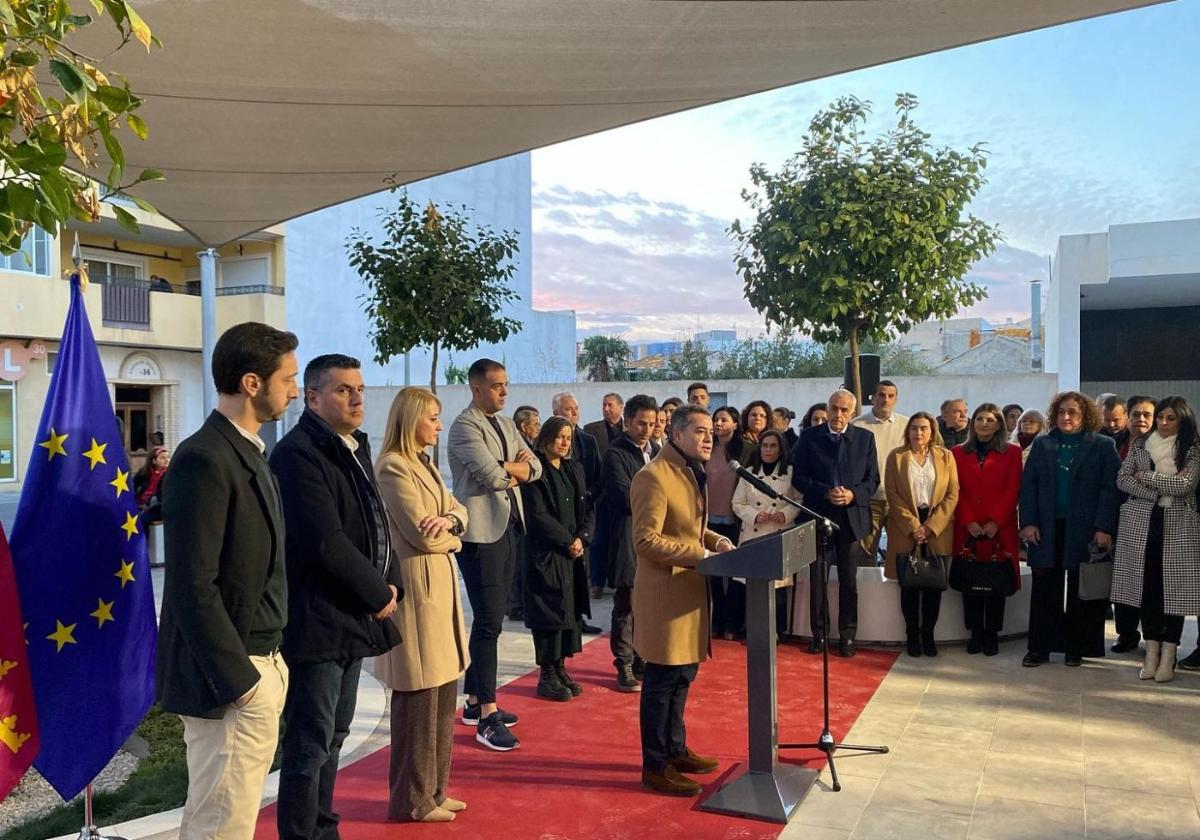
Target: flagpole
{"type": "Point", "coordinates": [89, 830]}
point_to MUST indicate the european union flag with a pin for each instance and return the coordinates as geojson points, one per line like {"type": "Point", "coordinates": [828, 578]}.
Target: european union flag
{"type": "Point", "coordinates": [82, 572]}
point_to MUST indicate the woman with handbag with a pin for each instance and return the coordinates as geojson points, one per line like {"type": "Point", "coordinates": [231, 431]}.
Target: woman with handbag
{"type": "Point", "coordinates": [760, 514]}
{"type": "Point", "coordinates": [426, 523]}
{"type": "Point", "coordinates": [1157, 562]}
{"type": "Point", "coordinates": [989, 482]}
{"type": "Point", "coordinates": [921, 482]}
{"type": "Point", "coordinates": [1068, 502]}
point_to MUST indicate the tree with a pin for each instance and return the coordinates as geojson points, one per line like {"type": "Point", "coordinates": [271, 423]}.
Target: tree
{"type": "Point", "coordinates": [438, 281]}
{"type": "Point", "coordinates": [605, 358]}
{"type": "Point", "coordinates": [455, 375]}
{"type": "Point", "coordinates": [855, 240]}
{"type": "Point", "coordinates": [38, 132]}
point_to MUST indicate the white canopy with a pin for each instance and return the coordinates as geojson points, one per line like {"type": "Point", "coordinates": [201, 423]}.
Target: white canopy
{"type": "Point", "coordinates": [263, 110]}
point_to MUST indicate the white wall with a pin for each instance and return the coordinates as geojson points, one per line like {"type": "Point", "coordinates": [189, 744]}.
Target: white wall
{"type": "Point", "coordinates": [324, 294]}
{"type": "Point", "coordinates": [916, 393]}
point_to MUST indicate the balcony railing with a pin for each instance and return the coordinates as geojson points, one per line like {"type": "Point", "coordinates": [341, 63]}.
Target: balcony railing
{"type": "Point", "coordinates": [126, 302]}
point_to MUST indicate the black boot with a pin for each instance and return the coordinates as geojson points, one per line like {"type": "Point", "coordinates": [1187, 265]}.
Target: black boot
{"type": "Point", "coordinates": [914, 642]}
{"type": "Point", "coordinates": [991, 642]}
{"type": "Point", "coordinates": [560, 669]}
{"type": "Point", "coordinates": [550, 686]}
{"type": "Point", "coordinates": [928, 646]}
{"type": "Point", "coordinates": [975, 643]}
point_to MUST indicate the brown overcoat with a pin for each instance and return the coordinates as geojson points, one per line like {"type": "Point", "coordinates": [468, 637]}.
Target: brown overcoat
{"type": "Point", "coordinates": [430, 615]}
{"type": "Point", "coordinates": [902, 517]}
{"type": "Point", "coordinates": [670, 538]}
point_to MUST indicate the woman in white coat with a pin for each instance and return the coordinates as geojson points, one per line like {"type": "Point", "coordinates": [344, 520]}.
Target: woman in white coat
{"type": "Point", "coordinates": [759, 514]}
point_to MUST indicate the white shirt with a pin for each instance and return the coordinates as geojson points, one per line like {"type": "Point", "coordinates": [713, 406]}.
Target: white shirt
{"type": "Point", "coordinates": [921, 478]}
{"type": "Point", "coordinates": [889, 434]}
{"type": "Point", "coordinates": [253, 438]}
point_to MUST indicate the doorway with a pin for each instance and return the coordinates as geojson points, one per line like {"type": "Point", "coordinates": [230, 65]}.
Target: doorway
{"type": "Point", "coordinates": [133, 417]}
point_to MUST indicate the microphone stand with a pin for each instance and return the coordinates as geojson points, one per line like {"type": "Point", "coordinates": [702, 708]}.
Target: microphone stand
{"type": "Point", "coordinates": [826, 528]}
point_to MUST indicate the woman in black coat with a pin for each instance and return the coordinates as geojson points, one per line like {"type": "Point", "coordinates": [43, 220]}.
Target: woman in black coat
{"type": "Point", "coordinates": [1069, 500]}
{"type": "Point", "coordinates": [558, 527]}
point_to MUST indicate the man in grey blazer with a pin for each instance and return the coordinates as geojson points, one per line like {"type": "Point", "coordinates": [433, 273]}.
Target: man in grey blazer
{"type": "Point", "coordinates": [488, 459]}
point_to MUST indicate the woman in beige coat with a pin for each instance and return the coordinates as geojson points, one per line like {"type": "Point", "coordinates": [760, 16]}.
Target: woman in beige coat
{"type": "Point", "coordinates": [423, 670]}
{"type": "Point", "coordinates": [921, 482]}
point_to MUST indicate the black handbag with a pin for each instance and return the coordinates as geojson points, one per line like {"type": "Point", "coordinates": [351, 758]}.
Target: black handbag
{"type": "Point", "coordinates": [921, 570]}
{"type": "Point", "coordinates": [990, 577]}
{"type": "Point", "coordinates": [1095, 574]}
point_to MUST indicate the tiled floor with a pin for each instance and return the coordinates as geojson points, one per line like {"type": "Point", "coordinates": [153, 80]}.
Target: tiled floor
{"type": "Point", "coordinates": [985, 749]}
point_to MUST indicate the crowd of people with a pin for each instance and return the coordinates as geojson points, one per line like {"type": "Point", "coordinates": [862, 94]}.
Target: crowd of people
{"type": "Point", "coordinates": [285, 572]}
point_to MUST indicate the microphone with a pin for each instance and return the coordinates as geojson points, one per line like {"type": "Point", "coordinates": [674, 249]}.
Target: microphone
{"type": "Point", "coordinates": [754, 480]}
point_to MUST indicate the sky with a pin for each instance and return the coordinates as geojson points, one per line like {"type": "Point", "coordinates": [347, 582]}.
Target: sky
{"type": "Point", "coordinates": [1089, 124]}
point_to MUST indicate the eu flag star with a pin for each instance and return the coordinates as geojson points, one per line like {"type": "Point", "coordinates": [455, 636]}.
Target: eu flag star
{"type": "Point", "coordinates": [54, 444]}
{"type": "Point", "coordinates": [121, 482]}
{"type": "Point", "coordinates": [62, 635]}
{"type": "Point", "coordinates": [125, 573]}
{"type": "Point", "coordinates": [103, 612]}
{"type": "Point", "coordinates": [130, 526]}
{"type": "Point", "coordinates": [96, 453]}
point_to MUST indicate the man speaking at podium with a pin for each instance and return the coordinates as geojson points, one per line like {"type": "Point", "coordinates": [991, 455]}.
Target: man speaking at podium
{"type": "Point", "coordinates": [670, 598]}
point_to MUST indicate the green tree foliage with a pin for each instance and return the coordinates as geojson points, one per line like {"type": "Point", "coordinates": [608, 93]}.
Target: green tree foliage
{"type": "Point", "coordinates": [45, 131]}
{"type": "Point", "coordinates": [605, 358]}
{"type": "Point", "coordinates": [438, 281]}
{"type": "Point", "coordinates": [781, 357]}
{"type": "Point", "coordinates": [856, 239]}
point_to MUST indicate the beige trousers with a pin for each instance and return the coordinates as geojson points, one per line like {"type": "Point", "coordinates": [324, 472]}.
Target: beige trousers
{"type": "Point", "coordinates": [228, 760]}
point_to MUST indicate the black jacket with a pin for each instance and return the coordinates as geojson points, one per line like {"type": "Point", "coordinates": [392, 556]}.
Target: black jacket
{"type": "Point", "coordinates": [586, 452]}
{"type": "Point", "coordinates": [224, 535]}
{"type": "Point", "coordinates": [621, 462]}
{"type": "Point", "coordinates": [556, 584]}
{"type": "Point", "coordinates": [338, 556]}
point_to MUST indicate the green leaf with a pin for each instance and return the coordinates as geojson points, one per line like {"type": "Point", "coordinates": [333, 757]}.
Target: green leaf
{"type": "Point", "coordinates": [139, 28]}
{"type": "Point", "coordinates": [68, 75]}
{"type": "Point", "coordinates": [149, 175]}
{"type": "Point", "coordinates": [78, 20]}
{"type": "Point", "coordinates": [113, 97]}
{"type": "Point", "coordinates": [142, 203]}
{"type": "Point", "coordinates": [24, 58]}
{"type": "Point", "coordinates": [127, 219]}
{"type": "Point", "coordinates": [138, 126]}
{"type": "Point", "coordinates": [57, 190]}
{"type": "Point", "coordinates": [116, 8]}
{"type": "Point", "coordinates": [46, 156]}
{"type": "Point", "coordinates": [22, 200]}
{"type": "Point", "coordinates": [6, 14]}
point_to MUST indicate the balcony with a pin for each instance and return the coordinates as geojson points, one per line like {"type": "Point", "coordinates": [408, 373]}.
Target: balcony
{"type": "Point", "coordinates": [125, 302]}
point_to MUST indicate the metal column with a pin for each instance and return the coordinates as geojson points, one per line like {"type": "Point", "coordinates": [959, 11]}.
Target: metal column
{"type": "Point", "coordinates": [208, 323]}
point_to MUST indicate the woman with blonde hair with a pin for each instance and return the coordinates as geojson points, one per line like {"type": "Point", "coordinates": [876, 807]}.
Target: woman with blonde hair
{"type": "Point", "coordinates": [921, 481]}
{"type": "Point", "coordinates": [422, 672]}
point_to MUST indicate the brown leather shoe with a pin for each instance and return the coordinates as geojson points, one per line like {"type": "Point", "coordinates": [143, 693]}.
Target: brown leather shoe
{"type": "Point", "coordinates": [670, 782]}
{"type": "Point", "coordinates": [689, 762]}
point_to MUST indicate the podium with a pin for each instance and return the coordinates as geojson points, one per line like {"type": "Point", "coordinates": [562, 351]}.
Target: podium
{"type": "Point", "coordinates": [767, 790]}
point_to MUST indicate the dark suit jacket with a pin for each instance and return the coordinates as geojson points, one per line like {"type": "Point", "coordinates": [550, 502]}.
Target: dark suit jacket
{"type": "Point", "coordinates": [598, 429]}
{"type": "Point", "coordinates": [819, 463]}
{"type": "Point", "coordinates": [586, 452]}
{"type": "Point", "coordinates": [621, 463]}
{"type": "Point", "coordinates": [1095, 500]}
{"type": "Point", "coordinates": [223, 531]}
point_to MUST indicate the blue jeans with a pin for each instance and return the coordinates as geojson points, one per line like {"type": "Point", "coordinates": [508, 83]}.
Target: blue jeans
{"type": "Point", "coordinates": [316, 718]}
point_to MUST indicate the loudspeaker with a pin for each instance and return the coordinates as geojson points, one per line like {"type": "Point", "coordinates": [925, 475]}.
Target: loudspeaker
{"type": "Point", "coordinates": [868, 367]}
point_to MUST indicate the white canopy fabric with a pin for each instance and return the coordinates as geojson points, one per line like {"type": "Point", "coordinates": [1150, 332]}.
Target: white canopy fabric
{"type": "Point", "coordinates": [263, 110]}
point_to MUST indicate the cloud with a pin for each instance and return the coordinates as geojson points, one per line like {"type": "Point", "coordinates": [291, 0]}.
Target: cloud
{"type": "Point", "coordinates": [628, 265]}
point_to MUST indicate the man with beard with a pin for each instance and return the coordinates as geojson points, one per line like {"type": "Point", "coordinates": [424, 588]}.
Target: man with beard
{"type": "Point", "coordinates": [225, 595]}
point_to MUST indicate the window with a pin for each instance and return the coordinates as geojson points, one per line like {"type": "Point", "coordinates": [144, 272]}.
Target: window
{"type": "Point", "coordinates": [34, 256]}
{"type": "Point", "coordinates": [8, 433]}
{"type": "Point", "coordinates": [102, 269]}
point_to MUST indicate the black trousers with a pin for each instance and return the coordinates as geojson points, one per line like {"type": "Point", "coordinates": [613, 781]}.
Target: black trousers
{"type": "Point", "coordinates": [843, 555]}
{"type": "Point", "coordinates": [487, 570]}
{"type": "Point", "coordinates": [984, 613]}
{"type": "Point", "coordinates": [664, 694]}
{"type": "Point", "coordinates": [316, 717]}
{"type": "Point", "coordinates": [728, 595]}
{"type": "Point", "coordinates": [921, 608]}
{"type": "Point", "coordinates": [598, 550]}
{"type": "Point", "coordinates": [1126, 618]}
{"type": "Point", "coordinates": [621, 639]}
{"type": "Point", "coordinates": [1073, 627]}
{"type": "Point", "coordinates": [1157, 626]}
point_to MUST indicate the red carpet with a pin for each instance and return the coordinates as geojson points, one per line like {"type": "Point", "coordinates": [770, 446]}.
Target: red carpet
{"type": "Point", "coordinates": [576, 775]}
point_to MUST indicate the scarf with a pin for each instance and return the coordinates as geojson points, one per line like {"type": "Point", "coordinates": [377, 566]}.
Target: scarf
{"type": "Point", "coordinates": [1162, 453]}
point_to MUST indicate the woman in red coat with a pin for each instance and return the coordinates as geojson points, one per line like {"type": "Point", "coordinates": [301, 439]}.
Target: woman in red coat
{"type": "Point", "coordinates": [989, 482]}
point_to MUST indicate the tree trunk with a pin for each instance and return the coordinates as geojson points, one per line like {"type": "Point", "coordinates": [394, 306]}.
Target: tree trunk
{"type": "Point", "coordinates": [433, 388]}
{"type": "Point", "coordinates": [855, 370]}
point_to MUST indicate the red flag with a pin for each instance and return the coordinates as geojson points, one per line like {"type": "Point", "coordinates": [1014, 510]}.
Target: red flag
{"type": "Point", "coordinates": [18, 720]}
